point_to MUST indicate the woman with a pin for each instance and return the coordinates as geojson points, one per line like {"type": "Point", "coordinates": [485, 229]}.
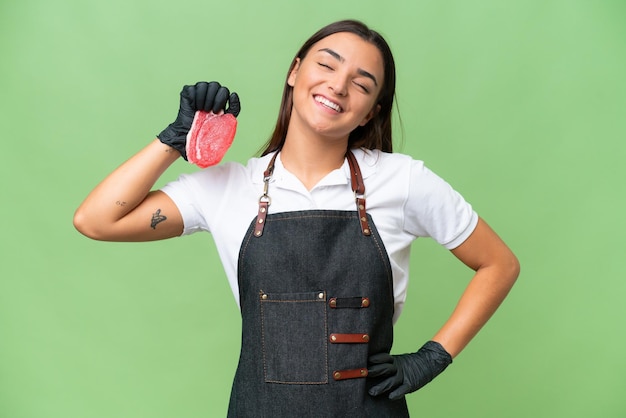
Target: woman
{"type": "Point", "coordinates": [315, 234]}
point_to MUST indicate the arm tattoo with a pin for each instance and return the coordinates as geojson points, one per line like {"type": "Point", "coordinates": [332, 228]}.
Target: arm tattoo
{"type": "Point", "coordinates": [157, 218]}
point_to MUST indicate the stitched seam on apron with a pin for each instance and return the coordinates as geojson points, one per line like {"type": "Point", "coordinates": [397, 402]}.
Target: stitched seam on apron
{"type": "Point", "coordinates": [384, 258]}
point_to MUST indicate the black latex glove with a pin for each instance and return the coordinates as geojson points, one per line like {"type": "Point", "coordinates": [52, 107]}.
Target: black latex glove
{"type": "Point", "coordinates": [201, 96]}
{"type": "Point", "coordinates": [407, 373]}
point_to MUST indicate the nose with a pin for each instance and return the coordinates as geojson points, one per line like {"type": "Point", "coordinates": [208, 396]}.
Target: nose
{"type": "Point", "coordinates": [339, 84]}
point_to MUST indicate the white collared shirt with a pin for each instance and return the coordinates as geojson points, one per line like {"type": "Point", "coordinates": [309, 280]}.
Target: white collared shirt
{"type": "Point", "coordinates": [405, 199]}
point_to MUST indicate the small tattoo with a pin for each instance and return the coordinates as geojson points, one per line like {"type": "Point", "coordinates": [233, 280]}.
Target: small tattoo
{"type": "Point", "coordinates": [157, 218]}
{"type": "Point", "coordinates": [120, 203]}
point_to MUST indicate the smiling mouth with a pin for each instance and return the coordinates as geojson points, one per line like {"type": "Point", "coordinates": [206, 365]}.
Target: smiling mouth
{"type": "Point", "coordinates": [331, 105]}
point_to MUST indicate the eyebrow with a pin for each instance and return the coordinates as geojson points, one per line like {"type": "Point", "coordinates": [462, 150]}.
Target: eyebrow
{"type": "Point", "coordinates": [341, 59]}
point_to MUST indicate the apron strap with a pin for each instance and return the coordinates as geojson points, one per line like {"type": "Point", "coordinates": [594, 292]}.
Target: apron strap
{"type": "Point", "coordinates": [264, 201]}
{"type": "Point", "coordinates": [358, 187]}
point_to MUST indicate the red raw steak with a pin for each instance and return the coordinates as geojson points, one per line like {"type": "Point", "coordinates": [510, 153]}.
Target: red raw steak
{"type": "Point", "coordinates": [210, 137]}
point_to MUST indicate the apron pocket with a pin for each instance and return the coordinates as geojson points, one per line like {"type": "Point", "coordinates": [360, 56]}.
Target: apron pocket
{"type": "Point", "coordinates": [294, 337]}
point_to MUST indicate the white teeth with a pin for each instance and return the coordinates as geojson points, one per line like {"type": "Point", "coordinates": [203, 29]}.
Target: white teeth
{"type": "Point", "coordinates": [328, 103]}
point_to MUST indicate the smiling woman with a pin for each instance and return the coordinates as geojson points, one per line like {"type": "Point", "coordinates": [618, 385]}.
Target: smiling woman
{"type": "Point", "coordinates": [320, 276]}
{"type": "Point", "coordinates": [334, 92]}
{"type": "Point", "coordinates": [376, 135]}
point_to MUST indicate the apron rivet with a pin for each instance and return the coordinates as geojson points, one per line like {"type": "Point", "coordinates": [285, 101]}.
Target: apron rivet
{"type": "Point", "coordinates": [257, 233]}
{"type": "Point", "coordinates": [366, 231]}
{"type": "Point", "coordinates": [333, 338]}
{"type": "Point", "coordinates": [363, 372]}
{"type": "Point", "coordinates": [361, 207]}
{"type": "Point", "coordinates": [366, 337]}
{"type": "Point", "coordinates": [264, 296]}
{"type": "Point", "coordinates": [365, 302]}
{"type": "Point", "coordinates": [260, 221]}
{"type": "Point", "coordinates": [321, 296]}
{"type": "Point", "coordinates": [337, 375]}
{"type": "Point", "coordinates": [262, 210]}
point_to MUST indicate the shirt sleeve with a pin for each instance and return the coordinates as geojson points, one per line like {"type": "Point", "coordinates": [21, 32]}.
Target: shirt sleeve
{"type": "Point", "coordinates": [184, 192]}
{"type": "Point", "coordinates": [434, 209]}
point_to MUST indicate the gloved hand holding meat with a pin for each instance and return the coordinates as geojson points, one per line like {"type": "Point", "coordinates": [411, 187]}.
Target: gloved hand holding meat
{"type": "Point", "coordinates": [407, 373]}
{"type": "Point", "coordinates": [204, 128]}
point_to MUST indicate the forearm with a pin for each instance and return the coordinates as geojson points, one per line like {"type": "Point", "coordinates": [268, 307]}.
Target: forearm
{"type": "Point", "coordinates": [496, 270]}
{"type": "Point", "coordinates": [479, 301]}
{"type": "Point", "coordinates": [124, 189]}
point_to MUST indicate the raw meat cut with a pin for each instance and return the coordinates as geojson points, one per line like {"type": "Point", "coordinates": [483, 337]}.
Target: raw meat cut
{"type": "Point", "coordinates": [210, 137]}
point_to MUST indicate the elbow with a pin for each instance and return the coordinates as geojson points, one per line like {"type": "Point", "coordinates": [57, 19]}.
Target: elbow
{"type": "Point", "coordinates": [512, 268]}
{"type": "Point", "coordinates": [86, 227]}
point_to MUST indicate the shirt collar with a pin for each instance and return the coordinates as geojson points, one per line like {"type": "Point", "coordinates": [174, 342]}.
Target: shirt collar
{"type": "Point", "coordinates": [366, 159]}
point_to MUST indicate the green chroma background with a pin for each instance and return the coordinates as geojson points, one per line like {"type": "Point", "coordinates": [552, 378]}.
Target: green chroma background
{"type": "Point", "coordinates": [519, 104]}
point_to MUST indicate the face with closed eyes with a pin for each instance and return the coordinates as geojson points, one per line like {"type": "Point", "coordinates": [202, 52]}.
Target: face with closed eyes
{"type": "Point", "coordinates": [336, 86]}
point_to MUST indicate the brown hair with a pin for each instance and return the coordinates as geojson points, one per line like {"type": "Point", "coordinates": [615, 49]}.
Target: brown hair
{"type": "Point", "coordinates": [376, 134]}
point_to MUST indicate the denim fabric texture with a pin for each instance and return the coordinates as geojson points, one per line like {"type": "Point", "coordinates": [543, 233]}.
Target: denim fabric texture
{"type": "Point", "coordinates": [303, 336]}
{"type": "Point", "coordinates": [286, 279]}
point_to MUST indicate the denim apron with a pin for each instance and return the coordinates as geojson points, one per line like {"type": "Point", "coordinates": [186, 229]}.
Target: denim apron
{"type": "Point", "coordinates": [316, 297]}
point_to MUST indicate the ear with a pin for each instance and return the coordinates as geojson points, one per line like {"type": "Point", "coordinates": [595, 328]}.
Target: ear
{"type": "Point", "coordinates": [370, 115]}
{"type": "Point", "coordinates": [291, 80]}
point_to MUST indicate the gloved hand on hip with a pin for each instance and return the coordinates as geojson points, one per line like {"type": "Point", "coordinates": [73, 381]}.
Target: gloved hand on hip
{"type": "Point", "coordinates": [201, 96]}
{"type": "Point", "coordinates": [407, 373]}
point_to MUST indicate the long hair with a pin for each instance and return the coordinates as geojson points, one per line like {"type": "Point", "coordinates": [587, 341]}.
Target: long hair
{"type": "Point", "coordinates": [376, 134]}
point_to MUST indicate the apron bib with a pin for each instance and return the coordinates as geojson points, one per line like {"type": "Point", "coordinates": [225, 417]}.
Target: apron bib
{"type": "Point", "coordinates": [316, 295]}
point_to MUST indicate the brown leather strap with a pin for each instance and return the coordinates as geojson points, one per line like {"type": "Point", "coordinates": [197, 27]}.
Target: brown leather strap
{"type": "Point", "coordinates": [264, 200]}
{"type": "Point", "coordinates": [355, 174]}
{"type": "Point", "coordinates": [358, 187]}
{"type": "Point", "coordinates": [359, 192]}
{"type": "Point", "coordinates": [350, 374]}
{"type": "Point", "coordinates": [349, 338]}
{"type": "Point", "coordinates": [357, 302]}
{"type": "Point", "coordinates": [260, 218]}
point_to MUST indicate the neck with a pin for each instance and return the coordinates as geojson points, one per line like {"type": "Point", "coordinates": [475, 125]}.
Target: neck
{"type": "Point", "coordinates": [311, 158]}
